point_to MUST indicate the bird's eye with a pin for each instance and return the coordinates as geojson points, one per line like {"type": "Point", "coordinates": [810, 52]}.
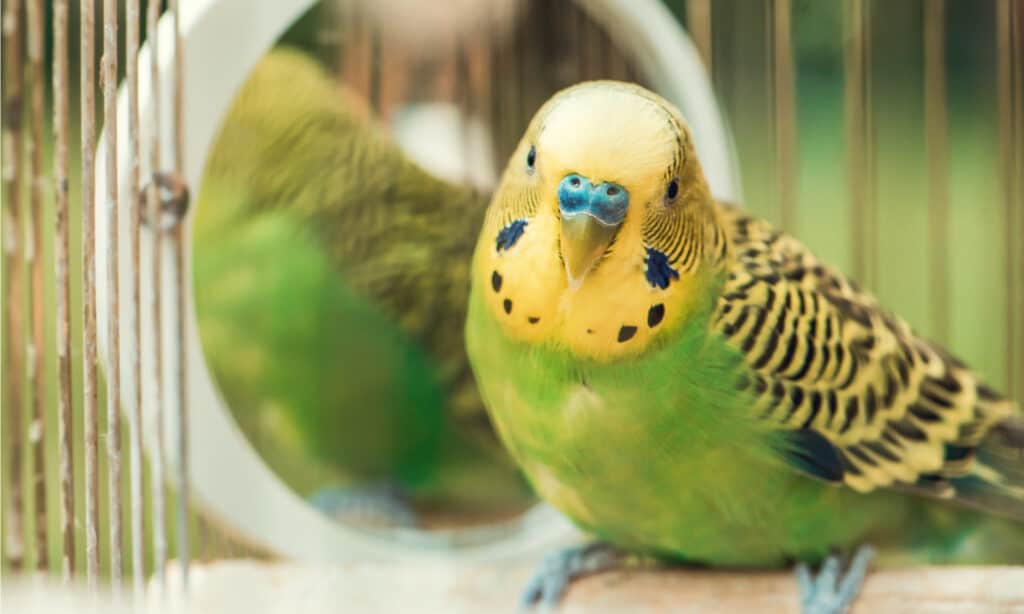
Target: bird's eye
{"type": "Point", "coordinates": [531, 158]}
{"type": "Point", "coordinates": [672, 191]}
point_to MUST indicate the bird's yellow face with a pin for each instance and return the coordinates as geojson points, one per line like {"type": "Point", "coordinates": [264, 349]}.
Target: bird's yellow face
{"type": "Point", "coordinates": [597, 235]}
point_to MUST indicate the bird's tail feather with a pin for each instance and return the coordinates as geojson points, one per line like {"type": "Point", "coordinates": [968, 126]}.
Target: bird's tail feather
{"type": "Point", "coordinates": [995, 481]}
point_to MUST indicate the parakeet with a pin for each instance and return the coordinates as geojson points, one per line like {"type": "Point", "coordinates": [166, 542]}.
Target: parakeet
{"type": "Point", "coordinates": [331, 284]}
{"type": "Point", "coordinates": [684, 381]}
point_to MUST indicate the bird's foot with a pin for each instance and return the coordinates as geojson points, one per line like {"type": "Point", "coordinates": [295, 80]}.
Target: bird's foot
{"type": "Point", "coordinates": [558, 569]}
{"type": "Point", "coordinates": [833, 590]}
{"type": "Point", "coordinates": [366, 505]}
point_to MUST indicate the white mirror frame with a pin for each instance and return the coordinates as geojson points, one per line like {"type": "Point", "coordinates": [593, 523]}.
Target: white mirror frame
{"type": "Point", "coordinates": [223, 40]}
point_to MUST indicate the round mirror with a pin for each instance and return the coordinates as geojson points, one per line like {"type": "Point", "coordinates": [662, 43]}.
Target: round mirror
{"type": "Point", "coordinates": [341, 156]}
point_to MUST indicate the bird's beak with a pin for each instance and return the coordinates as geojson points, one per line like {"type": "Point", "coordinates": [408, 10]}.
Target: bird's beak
{"type": "Point", "coordinates": [584, 240]}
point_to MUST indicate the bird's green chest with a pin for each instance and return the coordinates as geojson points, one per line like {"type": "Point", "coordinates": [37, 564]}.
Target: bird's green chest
{"type": "Point", "coordinates": [656, 454]}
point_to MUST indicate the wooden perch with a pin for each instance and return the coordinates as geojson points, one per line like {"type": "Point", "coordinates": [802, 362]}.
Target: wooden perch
{"type": "Point", "coordinates": [932, 589]}
{"type": "Point", "coordinates": [252, 586]}
{"type": "Point", "coordinates": [495, 588]}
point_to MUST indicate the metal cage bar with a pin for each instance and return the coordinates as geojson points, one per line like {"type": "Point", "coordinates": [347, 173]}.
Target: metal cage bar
{"type": "Point", "coordinates": [34, 255]}
{"type": "Point", "coordinates": [109, 79]}
{"type": "Point", "coordinates": [156, 273]}
{"type": "Point", "coordinates": [1010, 64]}
{"type": "Point", "coordinates": [935, 113]}
{"type": "Point", "coordinates": [63, 290]}
{"type": "Point", "coordinates": [14, 333]}
{"type": "Point", "coordinates": [784, 88]}
{"type": "Point", "coordinates": [133, 205]}
{"type": "Point", "coordinates": [180, 246]}
{"type": "Point", "coordinates": [698, 19]}
{"type": "Point", "coordinates": [858, 110]}
{"type": "Point", "coordinates": [87, 86]}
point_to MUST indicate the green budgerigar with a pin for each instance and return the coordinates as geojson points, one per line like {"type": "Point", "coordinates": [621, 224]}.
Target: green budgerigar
{"type": "Point", "coordinates": [331, 283]}
{"type": "Point", "coordinates": [685, 381]}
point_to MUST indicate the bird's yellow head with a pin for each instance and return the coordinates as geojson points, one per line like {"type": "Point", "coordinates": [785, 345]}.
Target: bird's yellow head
{"type": "Point", "coordinates": [599, 233]}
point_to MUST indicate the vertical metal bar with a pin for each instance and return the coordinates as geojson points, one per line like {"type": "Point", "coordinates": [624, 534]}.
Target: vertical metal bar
{"type": "Point", "coordinates": [495, 116]}
{"type": "Point", "coordinates": [772, 180]}
{"type": "Point", "coordinates": [698, 18]}
{"type": "Point", "coordinates": [374, 68]}
{"type": "Point", "coordinates": [394, 65]}
{"type": "Point", "coordinates": [134, 211]}
{"type": "Point", "coordinates": [936, 151]}
{"type": "Point", "coordinates": [594, 47]}
{"type": "Point", "coordinates": [570, 26]}
{"type": "Point", "coordinates": [153, 197]}
{"type": "Point", "coordinates": [1007, 74]}
{"type": "Point", "coordinates": [1004, 78]}
{"type": "Point", "coordinates": [870, 194]}
{"type": "Point", "coordinates": [34, 255]}
{"type": "Point", "coordinates": [1017, 51]}
{"type": "Point", "coordinates": [13, 107]}
{"type": "Point", "coordinates": [61, 248]}
{"type": "Point", "coordinates": [618, 63]}
{"type": "Point", "coordinates": [580, 53]}
{"type": "Point", "coordinates": [87, 88]}
{"type": "Point", "coordinates": [109, 68]}
{"type": "Point", "coordinates": [785, 114]}
{"type": "Point", "coordinates": [356, 49]}
{"type": "Point", "coordinates": [178, 131]}
{"type": "Point", "coordinates": [859, 142]}
{"type": "Point", "coordinates": [463, 98]}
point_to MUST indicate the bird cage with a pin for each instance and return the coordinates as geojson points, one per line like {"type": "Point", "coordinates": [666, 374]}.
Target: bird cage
{"type": "Point", "coordinates": [852, 131]}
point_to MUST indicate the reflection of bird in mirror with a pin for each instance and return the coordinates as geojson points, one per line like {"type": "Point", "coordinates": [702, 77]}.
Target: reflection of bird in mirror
{"type": "Point", "coordinates": [684, 381]}
{"type": "Point", "coordinates": [331, 283]}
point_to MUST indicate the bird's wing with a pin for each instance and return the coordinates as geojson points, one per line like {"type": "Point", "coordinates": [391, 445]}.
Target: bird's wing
{"type": "Point", "coordinates": [399, 236]}
{"type": "Point", "coordinates": [861, 399]}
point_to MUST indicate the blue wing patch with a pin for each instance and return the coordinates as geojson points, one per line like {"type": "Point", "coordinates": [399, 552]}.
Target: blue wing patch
{"type": "Point", "coordinates": [811, 453]}
{"type": "Point", "coordinates": [658, 271]}
{"type": "Point", "coordinates": [508, 235]}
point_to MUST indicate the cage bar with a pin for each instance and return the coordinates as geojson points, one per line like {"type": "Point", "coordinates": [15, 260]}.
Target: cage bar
{"type": "Point", "coordinates": [355, 48]}
{"type": "Point", "coordinates": [494, 103]}
{"type": "Point", "coordinates": [698, 21]}
{"type": "Point", "coordinates": [784, 86]}
{"type": "Point", "coordinates": [935, 114]}
{"type": "Point", "coordinates": [178, 142]}
{"type": "Point", "coordinates": [13, 223]}
{"type": "Point", "coordinates": [1018, 89]}
{"type": "Point", "coordinates": [159, 520]}
{"type": "Point", "coordinates": [463, 99]}
{"type": "Point", "coordinates": [63, 294]}
{"type": "Point", "coordinates": [135, 463]}
{"type": "Point", "coordinates": [1004, 80]}
{"type": "Point", "coordinates": [1010, 63]}
{"type": "Point", "coordinates": [860, 141]}
{"type": "Point", "coordinates": [109, 78]}
{"type": "Point", "coordinates": [34, 255]}
{"type": "Point", "coordinates": [87, 87]}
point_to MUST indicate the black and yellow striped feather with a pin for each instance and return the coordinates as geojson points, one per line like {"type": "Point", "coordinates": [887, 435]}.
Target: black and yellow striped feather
{"type": "Point", "coordinates": [862, 399]}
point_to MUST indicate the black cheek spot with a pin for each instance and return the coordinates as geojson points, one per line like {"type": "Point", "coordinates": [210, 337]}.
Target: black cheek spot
{"type": "Point", "coordinates": [496, 281]}
{"type": "Point", "coordinates": [507, 304]}
{"type": "Point", "coordinates": [655, 315]}
{"type": "Point", "coordinates": [533, 319]}
{"type": "Point", "coordinates": [590, 331]}
{"type": "Point", "coordinates": [626, 333]}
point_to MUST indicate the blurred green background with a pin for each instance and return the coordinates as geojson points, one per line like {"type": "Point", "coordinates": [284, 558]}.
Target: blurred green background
{"type": "Point", "coordinates": [976, 243]}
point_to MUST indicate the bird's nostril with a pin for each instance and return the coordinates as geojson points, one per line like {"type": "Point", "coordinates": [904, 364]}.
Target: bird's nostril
{"type": "Point", "coordinates": [612, 190]}
{"type": "Point", "coordinates": [575, 182]}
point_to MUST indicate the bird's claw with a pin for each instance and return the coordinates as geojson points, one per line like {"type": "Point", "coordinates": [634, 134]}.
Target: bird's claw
{"type": "Point", "coordinates": [833, 591]}
{"type": "Point", "coordinates": [558, 569]}
{"type": "Point", "coordinates": [374, 505]}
